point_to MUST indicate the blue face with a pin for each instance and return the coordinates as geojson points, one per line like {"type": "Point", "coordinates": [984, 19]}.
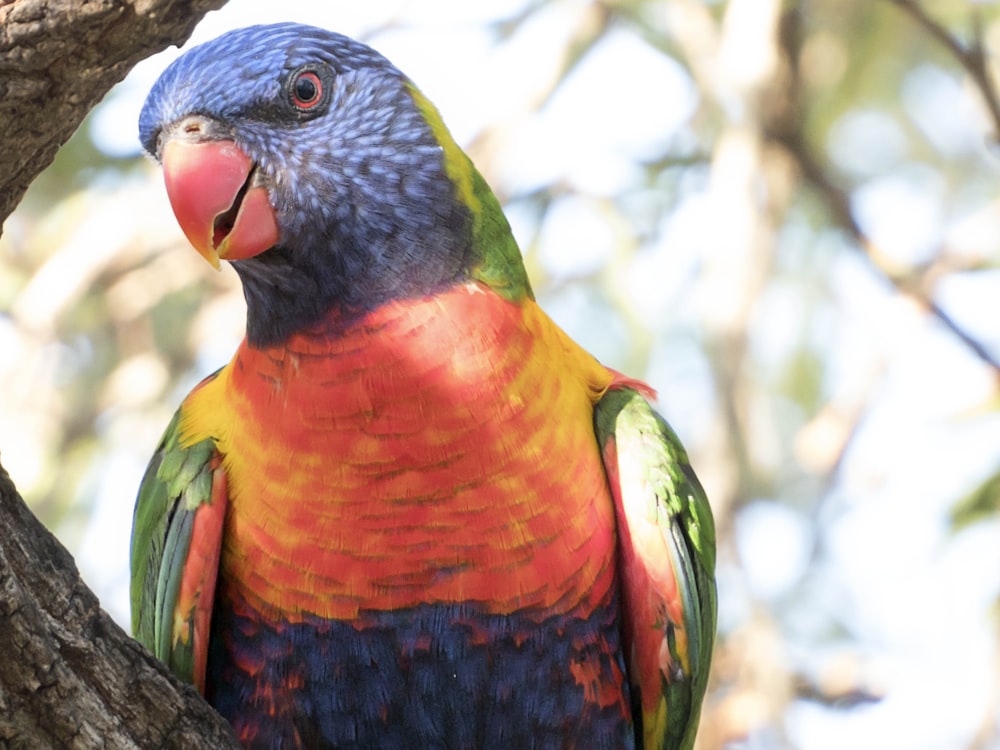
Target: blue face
{"type": "Point", "coordinates": [365, 209]}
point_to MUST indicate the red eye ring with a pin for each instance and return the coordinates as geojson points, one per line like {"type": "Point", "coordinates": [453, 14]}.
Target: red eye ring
{"type": "Point", "coordinates": [306, 90]}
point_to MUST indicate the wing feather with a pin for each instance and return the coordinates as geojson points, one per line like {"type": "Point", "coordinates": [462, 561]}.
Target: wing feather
{"type": "Point", "coordinates": [176, 542]}
{"type": "Point", "coordinates": [667, 566]}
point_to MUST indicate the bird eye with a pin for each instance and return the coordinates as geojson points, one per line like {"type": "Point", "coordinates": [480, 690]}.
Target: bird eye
{"type": "Point", "coordinates": [306, 89]}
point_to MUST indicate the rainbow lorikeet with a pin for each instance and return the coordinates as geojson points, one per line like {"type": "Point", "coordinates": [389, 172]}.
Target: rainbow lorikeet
{"type": "Point", "coordinates": [410, 511]}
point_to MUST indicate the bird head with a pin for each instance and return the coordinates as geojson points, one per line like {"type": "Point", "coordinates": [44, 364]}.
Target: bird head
{"type": "Point", "coordinates": [315, 166]}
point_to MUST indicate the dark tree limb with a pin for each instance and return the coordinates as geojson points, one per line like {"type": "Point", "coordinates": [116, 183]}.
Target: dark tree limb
{"type": "Point", "coordinates": [916, 283]}
{"type": "Point", "coordinates": [972, 57]}
{"type": "Point", "coordinates": [69, 677]}
{"type": "Point", "coordinates": [58, 58]}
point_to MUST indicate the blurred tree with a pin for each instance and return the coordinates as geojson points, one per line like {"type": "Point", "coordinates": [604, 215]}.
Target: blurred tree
{"type": "Point", "coordinates": [782, 213]}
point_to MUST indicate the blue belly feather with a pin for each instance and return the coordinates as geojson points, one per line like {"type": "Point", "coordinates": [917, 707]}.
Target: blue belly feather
{"type": "Point", "coordinates": [434, 676]}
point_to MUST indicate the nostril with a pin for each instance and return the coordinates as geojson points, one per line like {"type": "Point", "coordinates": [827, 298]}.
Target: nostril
{"type": "Point", "coordinates": [194, 128]}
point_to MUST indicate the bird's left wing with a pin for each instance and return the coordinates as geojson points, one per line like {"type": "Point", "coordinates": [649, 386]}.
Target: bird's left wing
{"type": "Point", "coordinates": [176, 542]}
{"type": "Point", "coordinates": [666, 538]}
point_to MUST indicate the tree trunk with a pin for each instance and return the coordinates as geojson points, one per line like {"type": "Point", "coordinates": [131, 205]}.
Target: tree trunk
{"type": "Point", "coordinates": [70, 677]}
{"type": "Point", "coordinates": [58, 58]}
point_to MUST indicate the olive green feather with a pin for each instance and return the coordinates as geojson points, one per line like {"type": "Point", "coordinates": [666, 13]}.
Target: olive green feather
{"type": "Point", "coordinates": [675, 501]}
{"type": "Point", "coordinates": [177, 481]}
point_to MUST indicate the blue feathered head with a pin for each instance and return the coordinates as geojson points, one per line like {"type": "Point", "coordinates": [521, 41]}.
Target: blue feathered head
{"type": "Point", "coordinates": [309, 160]}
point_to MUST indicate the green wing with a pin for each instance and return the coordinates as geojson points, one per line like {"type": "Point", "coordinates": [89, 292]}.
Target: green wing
{"type": "Point", "coordinates": [667, 567]}
{"type": "Point", "coordinates": [176, 541]}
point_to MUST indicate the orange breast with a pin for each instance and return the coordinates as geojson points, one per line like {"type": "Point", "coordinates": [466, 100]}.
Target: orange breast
{"type": "Point", "coordinates": [439, 450]}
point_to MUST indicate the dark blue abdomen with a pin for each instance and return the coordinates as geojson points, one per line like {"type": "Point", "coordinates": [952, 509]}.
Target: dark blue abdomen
{"type": "Point", "coordinates": [435, 676]}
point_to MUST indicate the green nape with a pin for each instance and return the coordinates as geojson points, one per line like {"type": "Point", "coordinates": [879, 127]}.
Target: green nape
{"type": "Point", "coordinates": [495, 258]}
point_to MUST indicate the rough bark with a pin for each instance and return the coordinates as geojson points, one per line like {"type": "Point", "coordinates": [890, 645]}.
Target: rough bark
{"type": "Point", "coordinates": [70, 677]}
{"type": "Point", "coordinates": [58, 58]}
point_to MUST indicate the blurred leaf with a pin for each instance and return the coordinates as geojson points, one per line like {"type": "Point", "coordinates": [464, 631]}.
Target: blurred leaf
{"type": "Point", "coordinates": [982, 504]}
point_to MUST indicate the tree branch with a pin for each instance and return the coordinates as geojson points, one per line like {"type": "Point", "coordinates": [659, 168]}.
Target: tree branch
{"type": "Point", "coordinates": [916, 284]}
{"type": "Point", "coordinates": [972, 58]}
{"type": "Point", "coordinates": [70, 677]}
{"type": "Point", "coordinates": [58, 59]}
{"type": "Point", "coordinates": [912, 285]}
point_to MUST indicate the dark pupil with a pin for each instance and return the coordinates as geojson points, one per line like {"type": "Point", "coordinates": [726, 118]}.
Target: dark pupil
{"type": "Point", "coordinates": [305, 89]}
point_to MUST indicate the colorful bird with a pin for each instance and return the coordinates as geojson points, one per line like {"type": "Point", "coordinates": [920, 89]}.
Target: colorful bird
{"type": "Point", "coordinates": [410, 511]}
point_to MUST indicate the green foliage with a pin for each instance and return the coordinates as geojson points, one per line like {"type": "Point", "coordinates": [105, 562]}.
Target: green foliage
{"type": "Point", "coordinates": [982, 504]}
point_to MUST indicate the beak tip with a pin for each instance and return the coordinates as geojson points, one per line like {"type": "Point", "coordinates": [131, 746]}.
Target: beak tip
{"type": "Point", "coordinates": [212, 256]}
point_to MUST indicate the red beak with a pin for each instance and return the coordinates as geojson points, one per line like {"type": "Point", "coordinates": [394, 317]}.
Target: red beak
{"type": "Point", "coordinates": [210, 186]}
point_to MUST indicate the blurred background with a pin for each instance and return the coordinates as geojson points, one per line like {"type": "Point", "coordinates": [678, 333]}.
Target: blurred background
{"type": "Point", "coordinates": [784, 215]}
